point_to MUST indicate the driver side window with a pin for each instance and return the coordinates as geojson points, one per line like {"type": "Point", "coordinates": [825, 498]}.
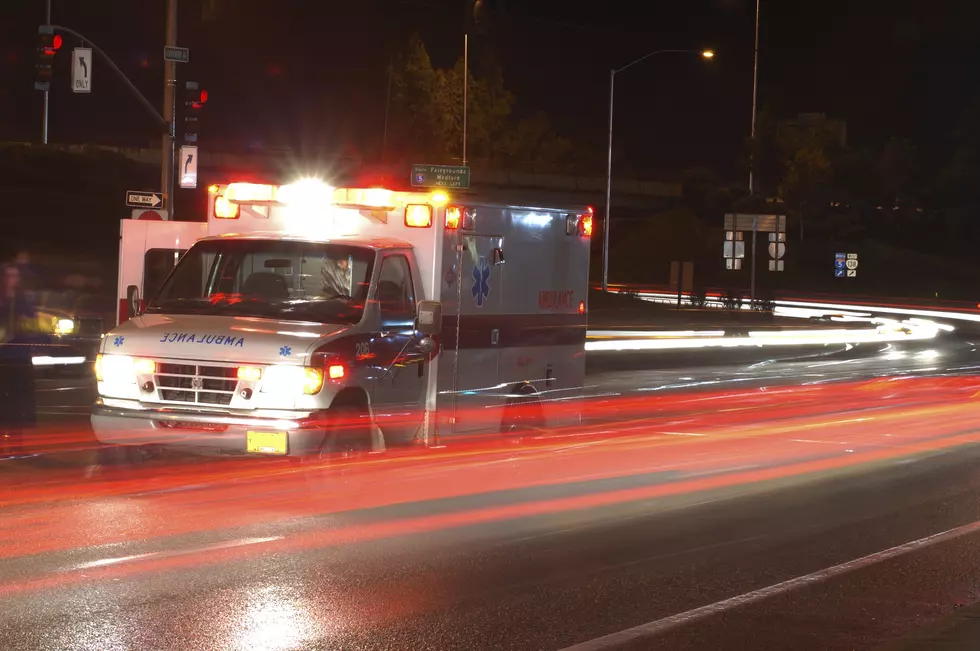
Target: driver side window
{"type": "Point", "coordinates": [395, 294]}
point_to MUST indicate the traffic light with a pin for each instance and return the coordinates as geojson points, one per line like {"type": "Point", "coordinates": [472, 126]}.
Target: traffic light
{"type": "Point", "coordinates": [194, 99]}
{"type": "Point", "coordinates": [48, 44]}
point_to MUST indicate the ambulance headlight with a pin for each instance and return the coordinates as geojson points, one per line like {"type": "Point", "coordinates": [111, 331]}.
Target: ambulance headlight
{"type": "Point", "coordinates": [292, 380]}
{"type": "Point", "coordinates": [64, 326]}
{"type": "Point", "coordinates": [122, 369]}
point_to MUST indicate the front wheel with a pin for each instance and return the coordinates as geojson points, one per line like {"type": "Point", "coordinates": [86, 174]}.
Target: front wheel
{"type": "Point", "coordinates": [523, 414]}
{"type": "Point", "coordinates": [348, 434]}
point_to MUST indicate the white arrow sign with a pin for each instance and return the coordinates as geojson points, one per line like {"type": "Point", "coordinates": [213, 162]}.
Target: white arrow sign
{"type": "Point", "coordinates": [81, 70]}
{"type": "Point", "coordinates": [187, 163]}
{"type": "Point", "coordinates": [143, 199]}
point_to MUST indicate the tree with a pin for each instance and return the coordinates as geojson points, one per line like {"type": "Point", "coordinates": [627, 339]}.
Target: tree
{"type": "Point", "coordinates": [896, 171]}
{"type": "Point", "coordinates": [427, 117]}
{"type": "Point", "coordinates": [807, 170]}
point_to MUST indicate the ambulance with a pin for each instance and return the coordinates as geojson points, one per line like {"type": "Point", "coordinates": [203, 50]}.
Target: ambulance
{"type": "Point", "coordinates": [303, 319]}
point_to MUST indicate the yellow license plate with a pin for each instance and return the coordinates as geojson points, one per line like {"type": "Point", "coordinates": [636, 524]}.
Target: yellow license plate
{"type": "Point", "coordinates": [266, 442]}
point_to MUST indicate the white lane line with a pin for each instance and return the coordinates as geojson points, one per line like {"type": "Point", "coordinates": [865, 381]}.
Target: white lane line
{"type": "Point", "coordinates": [657, 627]}
{"type": "Point", "coordinates": [102, 562]}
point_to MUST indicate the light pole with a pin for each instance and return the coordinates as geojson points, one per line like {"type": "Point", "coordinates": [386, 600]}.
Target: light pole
{"type": "Point", "coordinates": [705, 54]}
{"type": "Point", "coordinates": [755, 87]}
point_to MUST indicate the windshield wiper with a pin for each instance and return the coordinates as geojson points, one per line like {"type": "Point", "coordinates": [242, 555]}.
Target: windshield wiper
{"type": "Point", "coordinates": [198, 305]}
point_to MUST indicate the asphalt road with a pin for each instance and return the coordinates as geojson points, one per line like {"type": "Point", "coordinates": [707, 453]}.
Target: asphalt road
{"type": "Point", "coordinates": [785, 502]}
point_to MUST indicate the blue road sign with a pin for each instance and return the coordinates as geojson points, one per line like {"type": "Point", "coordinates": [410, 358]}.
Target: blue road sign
{"type": "Point", "coordinates": [839, 263]}
{"type": "Point", "coordinates": [840, 255]}
{"type": "Point", "coordinates": [838, 273]}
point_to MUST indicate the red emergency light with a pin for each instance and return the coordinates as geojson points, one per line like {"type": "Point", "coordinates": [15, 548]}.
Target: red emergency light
{"type": "Point", "coordinates": [585, 224]}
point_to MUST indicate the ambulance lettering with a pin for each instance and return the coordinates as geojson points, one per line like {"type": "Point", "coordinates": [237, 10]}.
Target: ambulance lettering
{"type": "Point", "coordinates": [550, 299]}
{"type": "Point", "coordinates": [212, 339]}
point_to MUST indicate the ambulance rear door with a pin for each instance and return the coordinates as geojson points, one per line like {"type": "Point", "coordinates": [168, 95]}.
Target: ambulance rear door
{"type": "Point", "coordinates": [148, 250]}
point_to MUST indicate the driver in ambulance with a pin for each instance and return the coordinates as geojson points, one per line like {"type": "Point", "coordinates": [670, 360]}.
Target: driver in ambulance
{"type": "Point", "coordinates": [336, 276]}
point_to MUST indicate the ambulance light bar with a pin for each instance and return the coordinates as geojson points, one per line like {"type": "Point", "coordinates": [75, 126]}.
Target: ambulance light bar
{"type": "Point", "coordinates": [369, 198]}
{"type": "Point", "coordinates": [313, 192]}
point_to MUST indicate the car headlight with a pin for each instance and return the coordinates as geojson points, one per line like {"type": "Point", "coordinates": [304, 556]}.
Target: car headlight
{"type": "Point", "coordinates": [292, 380]}
{"type": "Point", "coordinates": [122, 369]}
{"type": "Point", "coordinates": [64, 326]}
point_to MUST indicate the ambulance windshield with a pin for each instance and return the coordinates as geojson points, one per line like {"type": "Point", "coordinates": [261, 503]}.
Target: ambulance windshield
{"type": "Point", "coordinates": [301, 281]}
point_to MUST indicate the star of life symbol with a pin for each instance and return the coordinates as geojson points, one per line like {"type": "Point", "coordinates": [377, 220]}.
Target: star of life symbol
{"type": "Point", "coordinates": [481, 281]}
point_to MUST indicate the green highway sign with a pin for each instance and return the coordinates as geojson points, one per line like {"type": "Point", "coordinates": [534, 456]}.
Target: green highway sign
{"type": "Point", "coordinates": [440, 176]}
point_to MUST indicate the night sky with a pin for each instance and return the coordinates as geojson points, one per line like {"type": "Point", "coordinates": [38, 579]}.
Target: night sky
{"type": "Point", "coordinates": [311, 75]}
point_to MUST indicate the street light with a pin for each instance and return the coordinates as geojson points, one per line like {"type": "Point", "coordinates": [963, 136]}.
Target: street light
{"type": "Point", "coordinates": [705, 54]}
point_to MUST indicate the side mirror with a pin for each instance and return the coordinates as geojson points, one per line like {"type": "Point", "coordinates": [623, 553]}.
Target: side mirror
{"type": "Point", "coordinates": [133, 300]}
{"type": "Point", "coordinates": [428, 321]}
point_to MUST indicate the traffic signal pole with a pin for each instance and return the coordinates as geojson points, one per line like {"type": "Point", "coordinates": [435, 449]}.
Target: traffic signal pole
{"type": "Point", "coordinates": [169, 113]}
{"type": "Point", "coordinates": [112, 65]}
{"type": "Point", "coordinates": [44, 119]}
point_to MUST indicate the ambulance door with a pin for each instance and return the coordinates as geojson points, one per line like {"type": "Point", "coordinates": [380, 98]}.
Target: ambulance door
{"type": "Point", "coordinates": [148, 250]}
{"type": "Point", "coordinates": [399, 392]}
{"type": "Point", "coordinates": [471, 363]}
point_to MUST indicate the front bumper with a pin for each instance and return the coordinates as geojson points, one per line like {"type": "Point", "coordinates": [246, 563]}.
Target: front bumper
{"type": "Point", "coordinates": [206, 431]}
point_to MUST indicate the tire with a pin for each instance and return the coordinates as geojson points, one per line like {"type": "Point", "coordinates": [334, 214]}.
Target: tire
{"type": "Point", "coordinates": [349, 433]}
{"type": "Point", "coordinates": [523, 414]}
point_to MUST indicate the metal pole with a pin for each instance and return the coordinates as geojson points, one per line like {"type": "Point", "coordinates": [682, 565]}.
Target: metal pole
{"type": "Point", "coordinates": [44, 119]}
{"type": "Point", "coordinates": [755, 83]}
{"type": "Point", "coordinates": [466, 86]}
{"type": "Point", "coordinates": [384, 139]}
{"type": "Point", "coordinates": [755, 220]}
{"type": "Point", "coordinates": [605, 225]}
{"type": "Point", "coordinates": [169, 113]}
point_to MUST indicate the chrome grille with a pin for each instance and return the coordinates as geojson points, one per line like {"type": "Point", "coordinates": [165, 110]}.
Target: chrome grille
{"type": "Point", "coordinates": [195, 383]}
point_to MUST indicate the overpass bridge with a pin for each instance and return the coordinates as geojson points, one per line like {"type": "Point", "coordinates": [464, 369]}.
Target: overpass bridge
{"type": "Point", "coordinates": [280, 166]}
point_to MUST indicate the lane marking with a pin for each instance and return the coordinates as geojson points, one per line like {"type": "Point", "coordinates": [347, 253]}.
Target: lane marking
{"type": "Point", "coordinates": [102, 562]}
{"type": "Point", "coordinates": [659, 626]}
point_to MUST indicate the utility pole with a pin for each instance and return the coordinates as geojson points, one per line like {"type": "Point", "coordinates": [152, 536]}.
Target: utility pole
{"type": "Point", "coordinates": [169, 113]}
{"type": "Point", "coordinates": [44, 118]}
{"type": "Point", "coordinates": [466, 86]}
{"type": "Point", "coordinates": [384, 139]}
{"type": "Point", "coordinates": [755, 84]}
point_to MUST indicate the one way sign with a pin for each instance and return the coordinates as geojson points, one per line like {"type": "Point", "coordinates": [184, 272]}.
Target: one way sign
{"type": "Point", "coordinates": [138, 199]}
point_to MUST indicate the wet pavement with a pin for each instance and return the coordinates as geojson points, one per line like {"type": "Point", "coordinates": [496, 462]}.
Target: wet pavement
{"type": "Point", "coordinates": [800, 516]}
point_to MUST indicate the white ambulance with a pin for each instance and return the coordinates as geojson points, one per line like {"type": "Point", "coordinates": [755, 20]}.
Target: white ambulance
{"type": "Point", "coordinates": [304, 318]}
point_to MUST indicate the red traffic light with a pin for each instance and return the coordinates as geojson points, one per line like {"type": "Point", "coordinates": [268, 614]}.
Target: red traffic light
{"type": "Point", "coordinates": [50, 44]}
{"type": "Point", "coordinates": [204, 97]}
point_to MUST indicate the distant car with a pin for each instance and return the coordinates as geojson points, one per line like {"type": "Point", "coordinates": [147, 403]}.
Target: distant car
{"type": "Point", "coordinates": [75, 322]}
